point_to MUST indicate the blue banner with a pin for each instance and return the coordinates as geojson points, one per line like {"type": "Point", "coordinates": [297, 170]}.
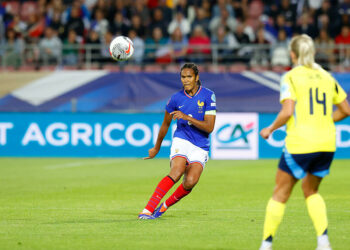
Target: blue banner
{"type": "Point", "coordinates": [124, 135]}
{"type": "Point", "coordinates": [272, 148]}
{"type": "Point", "coordinates": [81, 135]}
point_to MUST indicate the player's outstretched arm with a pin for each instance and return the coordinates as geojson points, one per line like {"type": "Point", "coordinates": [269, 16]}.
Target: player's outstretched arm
{"type": "Point", "coordinates": [162, 132]}
{"type": "Point", "coordinates": [283, 116]}
{"type": "Point", "coordinates": [342, 112]}
{"type": "Point", "coordinates": [206, 125]}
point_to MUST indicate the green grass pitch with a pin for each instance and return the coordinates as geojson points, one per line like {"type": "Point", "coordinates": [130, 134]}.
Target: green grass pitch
{"type": "Point", "coordinates": [93, 204]}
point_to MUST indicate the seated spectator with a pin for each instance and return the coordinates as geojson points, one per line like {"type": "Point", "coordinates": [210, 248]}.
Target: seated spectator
{"type": "Point", "coordinates": [14, 47]}
{"type": "Point", "coordinates": [50, 47]}
{"type": "Point", "coordinates": [155, 47]}
{"type": "Point", "coordinates": [201, 19]}
{"type": "Point", "coordinates": [93, 42]}
{"type": "Point", "coordinates": [344, 39]}
{"type": "Point", "coordinates": [261, 53]}
{"type": "Point", "coordinates": [181, 22]}
{"type": "Point", "coordinates": [55, 22]}
{"type": "Point", "coordinates": [324, 49]}
{"type": "Point", "coordinates": [327, 17]}
{"type": "Point", "coordinates": [224, 20]}
{"type": "Point", "coordinates": [306, 26]}
{"type": "Point", "coordinates": [119, 25]}
{"type": "Point", "coordinates": [140, 9]}
{"type": "Point", "coordinates": [199, 46]}
{"type": "Point", "coordinates": [226, 42]}
{"type": "Point", "coordinates": [105, 55]}
{"type": "Point", "coordinates": [178, 45]}
{"type": "Point", "coordinates": [99, 23]}
{"type": "Point", "coordinates": [139, 47]}
{"type": "Point", "coordinates": [279, 52]}
{"type": "Point", "coordinates": [17, 24]}
{"type": "Point", "coordinates": [242, 39]}
{"type": "Point", "coordinates": [158, 21]}
{"type": "Point", "coordinates": [279, 24]}
{"type": "Point", "coordinates": [222, 4]}
{"type": "Point", "coordinates": [70, 50]}
{"type": "Point", "coordinates": [288, 11]}
{"type": "Point", "coordinates": [75, 22]}
{"type": "Point", "coordinates": [138, 26]}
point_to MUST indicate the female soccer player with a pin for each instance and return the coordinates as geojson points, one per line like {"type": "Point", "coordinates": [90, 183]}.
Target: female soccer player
{"type": "Point", "coordinates": [307, 95]}
{"type": "Point", "coordinates": [194, 108]}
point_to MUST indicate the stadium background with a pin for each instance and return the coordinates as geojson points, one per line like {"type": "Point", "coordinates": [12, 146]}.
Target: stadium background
{"type": "Point", "coordinates": [54, 57]}
{"type": "Point", "coordinates": [74, 124]}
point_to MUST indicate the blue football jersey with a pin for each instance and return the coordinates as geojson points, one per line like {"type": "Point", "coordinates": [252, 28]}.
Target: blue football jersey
{"type": "Point", "coordinates": [195, 106]}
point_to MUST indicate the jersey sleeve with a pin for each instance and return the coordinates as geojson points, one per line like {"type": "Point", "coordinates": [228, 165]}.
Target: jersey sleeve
{"type": "Point", "coordinates": [287, 90]}
{"type": "Point", "coordinates": [339, 93]}
{"type": "Point", "coordinates": [170, 106]}
{"type": "Point", "coordinates": [210, 104]}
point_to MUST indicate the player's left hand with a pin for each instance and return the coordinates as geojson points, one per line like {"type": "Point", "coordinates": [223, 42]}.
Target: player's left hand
{"type": "Point", "coordinates": [266, 132]}
{"type": "Point", "coordinates": [178, 115]}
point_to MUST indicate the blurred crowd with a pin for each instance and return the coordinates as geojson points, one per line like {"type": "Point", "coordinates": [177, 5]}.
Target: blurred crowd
{"type": "Point", "coordinates": [164, 31]}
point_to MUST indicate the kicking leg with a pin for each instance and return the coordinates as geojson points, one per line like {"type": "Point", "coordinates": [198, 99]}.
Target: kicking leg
{"type": "Point", "coordinates": [192, 175]}
{"type": "Point", "coordinates": [178, 166]}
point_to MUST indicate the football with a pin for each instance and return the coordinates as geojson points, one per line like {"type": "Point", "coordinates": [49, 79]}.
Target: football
{"type": "Point", "coordinates": [121, 48]}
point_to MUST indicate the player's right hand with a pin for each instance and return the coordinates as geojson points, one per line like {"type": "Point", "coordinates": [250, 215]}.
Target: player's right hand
{"type": "Point", "coordinates": [151, 154]}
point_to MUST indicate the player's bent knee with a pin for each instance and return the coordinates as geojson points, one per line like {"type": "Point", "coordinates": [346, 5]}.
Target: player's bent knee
{"type": "Point", "coordinates": [190, 182]}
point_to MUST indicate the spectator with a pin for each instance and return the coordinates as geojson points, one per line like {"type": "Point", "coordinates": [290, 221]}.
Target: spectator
{"type": "Point", "coordinates": [35, 27]}
{"type": "Point", "coordinates": [181, 22]}
{"type": "Point", "coordinates": [281, 23]}
{"type": "Point", "coordinates": [138, 26]}
{"type": "Point", "coordinates": [70, 49]}
{"type": "Point", "coordinates": [240, 10]}
{"type": "Point", "coordinates": [199, 45]}
{"type": "Point", "coordinates": [201, 19]}
{"type": "Point", "coordinates": [158, 21]}
{"type": "Point", "coordinates": [178, 44]}
{"type": "Point", "coordinates": [100, 23]}
{"type": "Point", "coordinates": [93, 40]}
{"type": "Point", "coordinates": [328, 18]}
{"type": "Point", "coordinates": [139, 47]}
{"type": "Point", "coordinates": [288, 11]}
{"type": "Point", "coordinates": [101, 5]}
{"type": "Point", "coordinates": [222, 4]}
{"type": "Point", "coordinates": [306, 26]}
{"type": "Point", "coordinates": [120, 25]}
{"type": "Point", "coordinates": [17, 24]}
{"type": "Point", "coordinates": [105, 55]}
{"type": "Point", "coordinates": [56, 24]}
{"type": "Point", "coordinates": [226, 42]}
{"type": "Point", "coordinates": [14, 47]}
{"type": "Point", "coordinates": [167, 12]}
{"type": "Point", "coordinates": [81, 12]}
{"type": "Point", "coordinates": [50, 47]}
{"type": "Point", "coordinates": [279, 52]}
{"type": "Point", "coordinates": [155, 46]}
{"type": "Point", "coordinates": [242, 39]}
{"type": "Point", "coordinates": [260, 54]}
{"type": "Point", "coordinates": [325, 49]}
{"type": "Point", "coordinates": [139, 8]}
{"type": "Point", "coordinates": [75, 22]}
{"type": "Point", "coordinates": [344, 39]}
{"type": "Point", "coordinates": [224, 20]}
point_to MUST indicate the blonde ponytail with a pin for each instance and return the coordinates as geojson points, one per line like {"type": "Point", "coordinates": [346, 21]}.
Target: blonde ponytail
{"type": "Point", "coordinates": [304, 49]}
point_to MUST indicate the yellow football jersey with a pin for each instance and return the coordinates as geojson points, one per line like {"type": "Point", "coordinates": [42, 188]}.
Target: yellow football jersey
{"type": "Point", "coordinates": [311, 128]}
